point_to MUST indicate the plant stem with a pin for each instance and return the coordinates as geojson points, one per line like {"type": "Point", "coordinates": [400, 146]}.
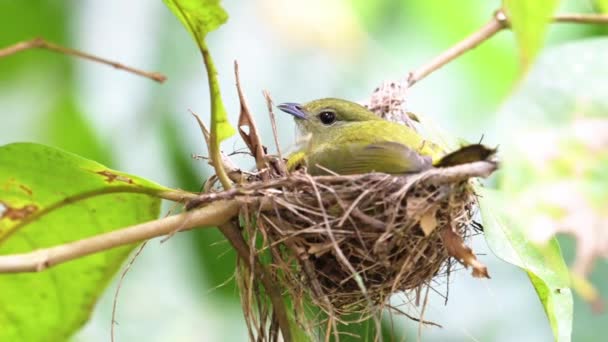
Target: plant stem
{"type": "Point", "coordinates": [217, 107]}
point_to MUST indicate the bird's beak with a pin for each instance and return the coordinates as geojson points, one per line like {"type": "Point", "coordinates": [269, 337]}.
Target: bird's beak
{"type": "Point", "coordinates": [294, 109]}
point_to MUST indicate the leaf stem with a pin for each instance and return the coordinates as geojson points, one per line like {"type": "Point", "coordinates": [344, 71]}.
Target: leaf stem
{"type": "Point", "coordinates": [43, 44]}
{"type": "Point", "coordinates": [217, 106]}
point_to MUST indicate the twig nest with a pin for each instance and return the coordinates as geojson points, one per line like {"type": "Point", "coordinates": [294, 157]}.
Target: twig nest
{"type": "Point", "coordinates": [350, 242]}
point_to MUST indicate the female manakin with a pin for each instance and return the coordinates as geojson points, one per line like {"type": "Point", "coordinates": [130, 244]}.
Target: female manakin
{"type": "Point", "coordinates": [346, 138]}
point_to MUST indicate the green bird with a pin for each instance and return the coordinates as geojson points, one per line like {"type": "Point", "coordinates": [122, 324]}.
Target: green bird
{"type": "Point", "coordinates": [346, 138]}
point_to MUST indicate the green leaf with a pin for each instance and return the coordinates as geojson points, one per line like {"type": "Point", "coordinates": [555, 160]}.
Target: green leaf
{"type": "Point", "coordinates": [602, 6]}
{"type": "Point", "coordinates": [49, 197]}
{"type": "Point", "coordinates": [551, 157]}
{"type": "Point", "coordinates": [544, 264]}
{"type": "Point", "coordinates": [201, 17]}
{"type": "Point", "coordinates": [198, 16]}
{"type": "Point", "coordinates": [529, 21]}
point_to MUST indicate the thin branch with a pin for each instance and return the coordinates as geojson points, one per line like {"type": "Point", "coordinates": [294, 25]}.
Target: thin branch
{"type": "Point", "coordinates": [497, 23]}
{"type": "Point", "coordinates": [114, 322]}
{"type": "Point", "coordinates": [438, 176]}
{"type": "Point", "coordinates": [273, 122]}
{"type": "Point", "coordinates": [581, 18]}
{"type": "Point", "coordinates": [214, 214]}
{"type": "Point", "coordinates": [39, 43]}
{"type": "Point", "coordinates": [452, 174]}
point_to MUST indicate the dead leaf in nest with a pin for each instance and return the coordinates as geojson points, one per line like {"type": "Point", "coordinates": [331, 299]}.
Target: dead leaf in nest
{"type": "Point", "coordinates": [251, 138]}
{"type": "Point", "coordinates": [457, 249]}
{"type": "Point", "coordinates": [428, 221]}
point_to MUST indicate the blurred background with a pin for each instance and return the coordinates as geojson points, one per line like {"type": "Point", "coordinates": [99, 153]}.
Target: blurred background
{"type": "Point", "coordinates": [183, 289]}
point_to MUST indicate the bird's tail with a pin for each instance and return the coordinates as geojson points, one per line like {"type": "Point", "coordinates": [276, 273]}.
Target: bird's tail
{"type": "Point", "coordinates": [466, 154]}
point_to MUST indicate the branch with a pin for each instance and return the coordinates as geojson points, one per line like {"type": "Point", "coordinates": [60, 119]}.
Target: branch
{"type": "Point", "coordinates": [214, 214]}
{"type": "Point", "coordinates": [498, 22]}
{"type": "Point", "coordinates": [273, 122]}
{"type": "Point", "coordinates": [438, 176]}
{"type": "Point", "coordinates": [581, 18]}
{"type": "Point", "coordinates": [453, 174]}
{"type": "Point", "coordinates": [43, 44]}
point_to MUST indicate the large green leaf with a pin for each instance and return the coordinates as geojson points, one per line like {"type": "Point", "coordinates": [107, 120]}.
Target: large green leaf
{"type": "Point", "coordinates": [49, 197]}
{"type": "Point", "coordinates": [201, 17]}
{"type": "Point", "coordinates": [529, 21]}
{"type": "Point", "coordinates": [544, 264]}
{"type": "Point", "coordinates": [554, 155]}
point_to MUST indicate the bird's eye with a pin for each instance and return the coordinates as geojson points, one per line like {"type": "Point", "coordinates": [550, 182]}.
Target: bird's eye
{"type": "Point", "coordinates": [327, 117]}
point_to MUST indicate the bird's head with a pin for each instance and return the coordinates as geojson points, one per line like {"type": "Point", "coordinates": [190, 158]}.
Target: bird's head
{"type": "Point", "coordinates": [324, 116]}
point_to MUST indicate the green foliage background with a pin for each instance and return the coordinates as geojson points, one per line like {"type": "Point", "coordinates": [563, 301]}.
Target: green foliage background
{"type": "Point", "coordinates": [182, 289]}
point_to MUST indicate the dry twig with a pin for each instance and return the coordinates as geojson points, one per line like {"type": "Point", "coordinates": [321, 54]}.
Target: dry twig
{"type": "Point", "coordinates": [273, 122]}
{"type": "Point", "coordinates": [119, 286]}
{"type": "Point", "coordinates": [39, 43]}
{"type": "Point", "coordinates": [251, 138]}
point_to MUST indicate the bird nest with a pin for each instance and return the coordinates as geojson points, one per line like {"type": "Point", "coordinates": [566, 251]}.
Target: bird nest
{"type": "Point", "coordinates": [344, 244]}
{"type": "Point", "coordinates": [347, 243]}
{"type": "Point", "coordinates": [352, 242]}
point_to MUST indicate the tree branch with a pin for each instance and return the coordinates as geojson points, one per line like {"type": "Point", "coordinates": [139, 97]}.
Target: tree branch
{"type": "Point", "coordinates": [581, 18]}
{"type": "Point", "coordinates": [43, 44]}
{"type": "Point", "coordinates": [498, 22]}
{"type": "Point", "coordinates": [214, 214]}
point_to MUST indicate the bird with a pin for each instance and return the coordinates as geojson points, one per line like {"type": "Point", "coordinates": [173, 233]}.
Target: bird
{"type": "Point", "coordinates": [344, 137]}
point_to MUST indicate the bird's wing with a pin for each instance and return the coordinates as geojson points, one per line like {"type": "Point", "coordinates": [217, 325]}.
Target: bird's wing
{"type": "Point", "coordinates": [356, 158]}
